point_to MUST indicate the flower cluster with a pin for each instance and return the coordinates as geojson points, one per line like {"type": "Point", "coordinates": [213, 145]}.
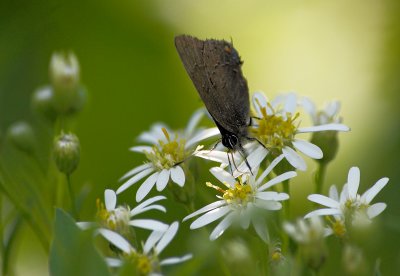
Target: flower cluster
{"type": "Point", "coordinates": [249, 195]}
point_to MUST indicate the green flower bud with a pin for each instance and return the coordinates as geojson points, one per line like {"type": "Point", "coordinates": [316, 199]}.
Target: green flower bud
{"type": "Point", "coordinates": [42, 103]}
{"type": "Point", "coordinates": [22, 136]}
{"type": "Point", "coordinates": [328, 142]}
{"type": "Point", "coordinates": [66, 152]}
{"type": "Point", "coordinates": [64, 77]}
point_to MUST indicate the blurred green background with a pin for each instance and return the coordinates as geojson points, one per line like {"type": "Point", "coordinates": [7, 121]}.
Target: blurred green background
{"type": "Point", "coordinates": [344, 50]}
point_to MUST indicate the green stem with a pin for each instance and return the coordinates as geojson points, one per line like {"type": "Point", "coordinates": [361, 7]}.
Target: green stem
{"type": "Point", "coordinates": [286, 204]}
{"type": "Point", "coordinates": [72, 197]}
{"type": "Point", "coordinates": [319, 178]}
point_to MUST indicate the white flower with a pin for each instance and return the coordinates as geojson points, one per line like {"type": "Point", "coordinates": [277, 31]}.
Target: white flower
{"type": "Point", "coordinates": [307, 231]}
{"type": "Point", "coordinates": [350, 204]}
{"type": "Point", "coordinates": [277, 128]}
{"type": "Point", "coordinates": [165, 156]}
{"type": "Point", "coordinates": [243, 200]}
{"type": "Point", "coordinates": [147, 260]}
{"type": "Point", "coordinates": [330, 114]}
{"type": "Point", "coordinates": [120, 218]}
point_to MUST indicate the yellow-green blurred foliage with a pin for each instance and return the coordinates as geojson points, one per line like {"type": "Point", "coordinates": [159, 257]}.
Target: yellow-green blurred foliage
{"type": "Point", "coordinates": [344, 50]}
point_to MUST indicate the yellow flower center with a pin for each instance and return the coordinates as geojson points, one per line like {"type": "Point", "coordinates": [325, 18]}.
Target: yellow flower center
{"type": "Point", "coordinates": [144, 264]}
{"type": "Point", "coordinates": [338, 227]}
{"type": "Point", "coordinates": [275, 131]}
{"type": "Point", "coordinates": [240, 194]}
{"type": "Point", "coordinates": [165, 155]}
{"type": "Point", "coordinates": [116, 220]}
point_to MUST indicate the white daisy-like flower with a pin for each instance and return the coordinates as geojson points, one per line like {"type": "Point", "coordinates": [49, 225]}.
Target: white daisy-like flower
{"type": "Point", "coordinates": [243, 200]}
{"type": "Point", "coordinates": [146, 261]}
{"type": "Point", "coordinates": [275, 128]}
{"type": "Point", "coordinates": [350, 205]}
{"type": "Point", "coordinates": [307, 231]}
{"type": "Point", "coordinates": [166, 155]}
{"type": "Point", "coordinates": [121, 218]}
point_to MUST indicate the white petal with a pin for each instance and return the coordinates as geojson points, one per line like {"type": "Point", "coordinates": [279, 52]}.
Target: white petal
{"type": "Point", "coordinates": [353, 181]}
{"type": "Point", "coordinates": [153, 238]}
{"type": "Point", "coordinates": [138, 209]}
{"type": "Point", "coordinates": [290, 229]}
{"type": "Point", "coordinates": [221, 227]}
{"type": "Point", "coordinates": [261, 228]}
{"type": "Point", "coordinates": [369, 195]}
{"type": "Point", "coordinates": [324, 200]}
{"type": "Point", "coordinates": [254, 159]}
{"type": "Point", "coordinates": [162, 180]}
{"type": "Point", "coordinates": [290, 103]}
{"type": "Point", "coordinates": [375, 209]}
{"type": "Point", "coordinates": [272, 196]}
{"type": "Point", "coordinates": [148, 138]}
{"type": "Point", "coordinates": [141, 149]}
{"type": "Point", "coordinates": [308, 148]}
{"type": "Point", "coordinates": [110, 199]}
{"type": "Point", "coordinates": [210, 216]}
{"type": "Point", "coordinates": [112, 262]}
{"type": "Point", "coordinates": [245, 216]}
{"type": "Point", "coordinates": [134, 179]}
{"type": "Point", "coordinates": [323, 212]}
{"type": "Point", "coordinates": [146, 186]}
{"type": "Point", "coordinates": [149, 224]}
{"type": "Point", "coordinates": [178, 176]}
{"type": "Point", "coordinates": [202, 135]}
{"type": "Point", "coordinates": [268, 204]}
{"type": "Point", "coordinates": [152, 207]}
{"type": "Point", "coordinates": [167, 237]}
{"type": "Point", "coordinates": [136, 170]}
{"type": "Point", "coordinates": [223, 176]}
{"type": "Point", "coordinates": [310, 107]}
{"type": "Point", "coordinates": [194, 121]}
{"type": "Point", "coordinates": [213, 155]}
{"type": "Point", "coordinates": [269, 169]}
{"type": "Point", "coordinates": [294, 158]}
{"type": "Point", "coordinates": [116, 239]}
{"type": "Point", "coordinates": [333, 193]}
{"type": "Point", "coordinates": [335, 127]}
{"type": "Point", "coordinates": [176, 260]}
{"type": "Point", "coordinates": [205, 209]}
{"type": "Point", "coordinates": [276, 180]}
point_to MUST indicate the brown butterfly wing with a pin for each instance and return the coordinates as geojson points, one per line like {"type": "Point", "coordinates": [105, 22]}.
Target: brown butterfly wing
{"type": "Point", "coordinates": [215, 69]}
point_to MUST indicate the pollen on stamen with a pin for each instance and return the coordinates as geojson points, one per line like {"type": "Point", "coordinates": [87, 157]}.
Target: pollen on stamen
{"type": "Point", "coordinates": [166, 155]}
{"type": "Point", "coordinates": [275, 131]}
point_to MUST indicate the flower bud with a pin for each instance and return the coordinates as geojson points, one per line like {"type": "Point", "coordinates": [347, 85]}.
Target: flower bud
{"type": "Point", "coordinates": [22, 136]}
{"type": "Point", "coordinates": [64, 78]}
{"type": "Point", "coordinates": [67, 152]}
{"type": "Point", "coordinates": [328, 142]}
{"type": "Point", "coordinates": [42, 103]}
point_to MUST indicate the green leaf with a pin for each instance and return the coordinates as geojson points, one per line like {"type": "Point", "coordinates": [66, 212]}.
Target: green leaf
{"type": "Point", "coordinates": [72, 251]}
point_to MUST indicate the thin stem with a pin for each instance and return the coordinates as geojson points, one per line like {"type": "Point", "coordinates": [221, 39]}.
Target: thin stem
{"type": "Point", "coordinates": [286, 203]}
{"type": "Point", "coordinates": [319, 178]}
{"type": "Point", "coordinates": [72, 197]}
